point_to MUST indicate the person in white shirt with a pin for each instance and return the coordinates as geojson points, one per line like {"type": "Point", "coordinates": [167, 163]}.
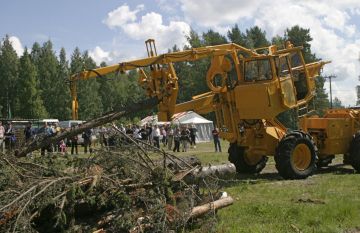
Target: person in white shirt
{"type": "Point", "coordinates": [136, 132]}
{"type": "Point", "coordinates": [156, 136]}
{"type": "Point", "coordinates": [2, 137]}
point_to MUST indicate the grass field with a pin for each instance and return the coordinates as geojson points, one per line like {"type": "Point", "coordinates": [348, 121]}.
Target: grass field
{"type": "Point", "coordinates": [328, 201]}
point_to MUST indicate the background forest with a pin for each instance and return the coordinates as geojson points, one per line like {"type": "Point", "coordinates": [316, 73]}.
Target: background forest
{"type": "Point", "coordinates": [35, 85]}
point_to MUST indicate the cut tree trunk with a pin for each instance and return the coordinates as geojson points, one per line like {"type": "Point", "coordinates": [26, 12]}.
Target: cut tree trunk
{"type": "Point", "coordinates": [223, 170]}
{"type": "Point", "coordinates": [67, 133]}
{"type": "Point", "coordinates": [198, 211]}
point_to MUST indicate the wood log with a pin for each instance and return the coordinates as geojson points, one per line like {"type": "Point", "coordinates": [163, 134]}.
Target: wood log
{"type": "Point", "coordinates": [109, 117]}
{"type": "Point", "coordinates": [211, 206]}
{"type": "Point", "coordinates": [222, 170]}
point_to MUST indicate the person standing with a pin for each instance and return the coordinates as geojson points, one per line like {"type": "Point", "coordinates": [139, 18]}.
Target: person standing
{"type": "Point", "coordinates": [87, 140]}
{"type": "Point", "coordinates": [2, 138]}
{"type": "Point", "coordinates": [144, 134]}
{"type": "Point", "coordinates": [156, 136]}
{"type": "Point", "coordinates": [164, 136]}
{"type": "Point", "coordinates": [48, 131]}
{"type": "Point", "coordinates": [28, 132]}
{"type": "Point", "coordinates": [185, 138]}
{"type": "Point", "coordinates": [170, 137]}
{"type": "Point", "coordinates": [177, 136]}
{"type": "Point", "coordinates": [105, 136]}
{"type": "Point", "coordinates": [193, 131]}
{"type": "Point", "coordinates": [74, 143]}
{"type": "Point", "coordinates": [56, 130]}
{"type": "Point", "coordinates": [149, 132]}
{"type": "Point", "coordinates": [10, 136]}
{"type": "Point", "coordinates": [62, 147]}
{"type": "Point", "coordinates": [136, 132]}
{"type": "Point", "coordinates": [215, 134]}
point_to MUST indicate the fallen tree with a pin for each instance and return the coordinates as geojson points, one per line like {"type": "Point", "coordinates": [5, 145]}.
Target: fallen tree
{"type": "Point", "coordinates": [117, 189]}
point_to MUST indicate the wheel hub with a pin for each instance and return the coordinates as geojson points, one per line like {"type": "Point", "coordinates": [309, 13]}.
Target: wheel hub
{"type": "Point", "coordinates": [301, 157]}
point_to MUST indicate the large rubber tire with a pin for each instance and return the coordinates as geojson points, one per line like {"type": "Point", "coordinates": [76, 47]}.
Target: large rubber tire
{"type": "Point", "coordinates": [296, 156]}
{"type": "Point", "coordinates": [354, 152]}
{"type": "Point", "coordinates": [237, 156]}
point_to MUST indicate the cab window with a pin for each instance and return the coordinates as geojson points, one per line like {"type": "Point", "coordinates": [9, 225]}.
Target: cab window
{"type": "Point", "coordinates": [282, 66]}
{"type": "Point", "coordinates": [258, 70]}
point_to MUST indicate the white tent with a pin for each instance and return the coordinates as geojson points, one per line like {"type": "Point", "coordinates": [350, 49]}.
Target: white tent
{"type": "Point", "coordinates": [204, 127]}
{"type": "Point", "coordinates": [153, 120]}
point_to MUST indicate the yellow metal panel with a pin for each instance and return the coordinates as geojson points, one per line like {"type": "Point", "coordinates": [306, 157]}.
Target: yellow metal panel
{"type": "Point", "coordinates": [313, 123]}
{"type": "Point", "coordinates": [258, 100]}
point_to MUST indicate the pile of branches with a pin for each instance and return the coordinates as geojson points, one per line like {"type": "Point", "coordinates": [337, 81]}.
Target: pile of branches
{"type": "Point", "coordinates": [128, 187]}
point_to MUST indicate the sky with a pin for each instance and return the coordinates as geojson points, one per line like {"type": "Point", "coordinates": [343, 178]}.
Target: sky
{"type": "Point", "coordinates": [114, 30]}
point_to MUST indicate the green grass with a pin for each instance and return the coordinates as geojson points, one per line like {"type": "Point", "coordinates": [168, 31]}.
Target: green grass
{"type": "Point", "coordinates": [206, 153]}
{"type": "Point", "coordinates": [267, 203]}
{"type": "Point", "coordinates": [273, 205]}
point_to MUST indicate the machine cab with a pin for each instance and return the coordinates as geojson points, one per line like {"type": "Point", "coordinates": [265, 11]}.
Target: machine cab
{"type": "Point", "coordinates": [273, 84]}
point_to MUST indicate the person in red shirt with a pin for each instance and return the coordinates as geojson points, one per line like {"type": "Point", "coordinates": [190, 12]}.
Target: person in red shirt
{"type": "Point", "coordinates": [2, 137]}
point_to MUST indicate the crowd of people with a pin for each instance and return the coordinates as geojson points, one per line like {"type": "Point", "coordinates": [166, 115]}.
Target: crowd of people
{"type": "Point", "coordinates": [173, 137]}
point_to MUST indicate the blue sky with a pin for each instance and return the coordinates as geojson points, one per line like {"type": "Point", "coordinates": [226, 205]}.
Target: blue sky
{"type": "Point", "coordinates": [115, 30]}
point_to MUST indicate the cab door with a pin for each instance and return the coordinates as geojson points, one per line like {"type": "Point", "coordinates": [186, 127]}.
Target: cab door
{"type": "Point", "coordinates": [288, 92]}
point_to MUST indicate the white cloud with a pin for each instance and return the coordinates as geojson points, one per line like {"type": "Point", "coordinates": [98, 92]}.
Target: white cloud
{"type": "Point", "coordinates": [219, 12]}
{"type": "Point", "coordinates": [334, 37]}
{"type": "Point", "coordinates": [122, 15]}
{"type": "Point", "coordinates": [168, 6]}
{"type": "Point", "coordinates": [99, 55]}
{"type": "Point", "coordinates": [149, 25]}
{"type": "Point", "coordinates": [16, 43]}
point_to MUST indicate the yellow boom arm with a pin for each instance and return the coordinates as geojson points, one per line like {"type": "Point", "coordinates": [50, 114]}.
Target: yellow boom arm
{"type": "Point", "coordinates": [162, 71]}
{"type": "Point", "coordinates": [162, 82]}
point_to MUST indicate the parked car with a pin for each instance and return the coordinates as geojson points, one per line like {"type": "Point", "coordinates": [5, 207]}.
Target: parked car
{"type": "Point", "coordinates": [38, 125]}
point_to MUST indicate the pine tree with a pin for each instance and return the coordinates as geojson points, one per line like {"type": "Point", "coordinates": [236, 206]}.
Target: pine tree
{"type": "Point", "coordinates": [278, 41]}
{"type": "Point", "coordinates": [238, 37]}
{"type": "Point", "coordinates": [108, 90]}
{"type": "Point", "coordinates": [47, 66]}
{"type": "Point", "coordinates": [61, 89]}
{"type": "Point", "coordinates": [257, 37]}
{"type": "Point", "coordinates": [337, 103]}
{"type": "Point", "coordinates": [301, 37]}
{"type": "Point", "coordinates": [87, 90]}
{"type": "Point", "coordinates": [29, 94]}
{"type": "Point", "coordinates": [9, 72]}
{"type": "Point", "coordinates": [213, 38]}
{"type": "Point", "coordinates": [35, 54]}
{"type": "Point", "coordinates": [194, 40]}
{"type": "Point", "coordinates": [321, 100]}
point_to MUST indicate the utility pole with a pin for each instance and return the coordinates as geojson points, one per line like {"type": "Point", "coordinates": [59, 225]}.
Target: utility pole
{"type": "Point", "coordinates": [330, 77]}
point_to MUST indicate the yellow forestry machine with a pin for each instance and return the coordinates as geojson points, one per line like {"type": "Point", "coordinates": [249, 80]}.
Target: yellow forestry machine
{"type": "Point", "coordinates": [336, 133]}
{"type": "Point", "coordinates": [247, 90]}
